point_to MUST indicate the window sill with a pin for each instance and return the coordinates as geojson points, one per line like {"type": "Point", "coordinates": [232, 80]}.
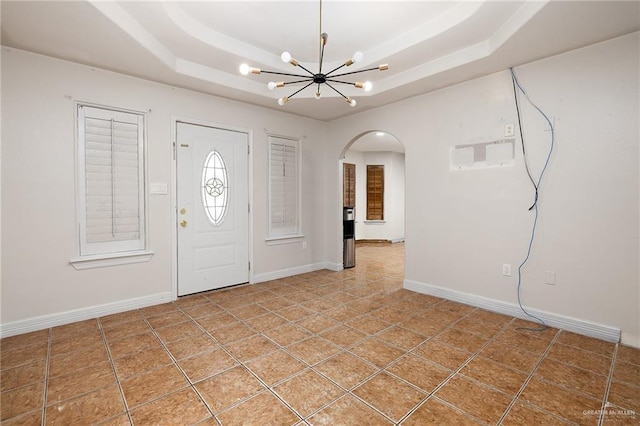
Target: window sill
{"type": "Point", "coordinates": [285, 239]}
{"type": "Point", "coordinates": [375, 222]}
{"type": "Point", "coordinates": [103, 260]}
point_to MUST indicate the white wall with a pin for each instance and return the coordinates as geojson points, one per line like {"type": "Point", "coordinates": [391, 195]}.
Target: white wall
{"type": "Point", "coordinates": [392, 228]}
{"type": "Point", "coordinates": [396, 200]}
{"type": "Point", "coordinates": [461, 226]}
{"type": "Point", "coordinates": [38, 183]}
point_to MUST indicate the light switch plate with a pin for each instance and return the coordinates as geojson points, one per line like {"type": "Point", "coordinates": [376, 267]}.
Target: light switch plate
{"type": "Point", "coordinates": [158, 188]}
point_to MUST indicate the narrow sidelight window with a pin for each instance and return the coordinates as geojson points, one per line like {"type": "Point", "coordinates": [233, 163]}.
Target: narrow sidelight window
{"type": "Point", "coordinates": [375, 192]}
{"type": "Point", "coordinates": [349, 185]}
{"type": "Point", "coordinates": [284, 187]}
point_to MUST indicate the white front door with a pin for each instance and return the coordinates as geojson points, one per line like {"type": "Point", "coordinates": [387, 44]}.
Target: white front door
{"type": "Point", "coordinates": [213, 207]}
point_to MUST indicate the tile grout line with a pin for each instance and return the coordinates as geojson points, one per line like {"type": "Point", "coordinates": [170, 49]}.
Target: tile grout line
{"type": "Point", "coordinates": [291, 322]}
{"type": "Point", "coordinates": [177, 365]}
{"type": "Point", "coordinates": [46, 377]}
{"type": "Point", "coordinates": [346, 350]}
{"type": "Point", "coordinates": [240, 363]}
{"type": "Point", "coordinates": [456, 371]}
{"type": "Point", "coordinates": [302, 420]}
{"type": "Point", "coordinates": [349, 391]}
{"type": "Point", "coordinates": [308, 366]}
{"type": "Point", "coordinates": [271, 392]}
{"type": "Point", "coordinates": [528, 379]}
{"type": "Point", "coordinates": [608, 387]}
{"type": "Point", "coordinates": [311, 367]}
{"type": "Point", "coordinates": [110, 359]}
{"type": "Point", "coordinates": [405, 355]}
{"type": "Point", "coordinates": [453, 407]}
{"type": "Point", "coordinates": [113, 368]}
{"type": "Point", "coordinates": [353, 395]}
{"type": "Point", "coordinates": [316, 334]}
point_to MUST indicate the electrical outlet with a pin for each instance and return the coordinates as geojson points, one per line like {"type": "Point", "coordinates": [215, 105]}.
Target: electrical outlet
{"type": "Point", "coordinates": [506, 269]}
{"type": "Point", "coordinates": [509, 130]}
{"type": "Point", "coordinates": [304, 245]}
{"type": "Point", "coordinates": [550, 278]}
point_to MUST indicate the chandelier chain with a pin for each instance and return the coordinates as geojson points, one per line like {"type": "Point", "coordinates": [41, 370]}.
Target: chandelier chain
{"type": "Point", "coordinates": [320, 47]}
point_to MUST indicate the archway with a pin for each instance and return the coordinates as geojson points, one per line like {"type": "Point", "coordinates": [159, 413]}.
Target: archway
{"type": "Point", "coordinates": [378, 158]}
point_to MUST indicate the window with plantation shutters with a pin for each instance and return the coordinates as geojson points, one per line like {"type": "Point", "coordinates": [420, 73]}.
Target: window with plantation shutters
{"type": "Point", "coordinates": [111, 181]}
{"type": "Point", "coordinates": [348, 185]}
{"type": "Point", "coordinates": [284, 196]}
{"type": "Point", "coordinates": [375, 192]}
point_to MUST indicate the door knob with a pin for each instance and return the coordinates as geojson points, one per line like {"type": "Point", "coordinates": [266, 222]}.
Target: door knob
{"type": "Point", "coordinates": [183, 223]}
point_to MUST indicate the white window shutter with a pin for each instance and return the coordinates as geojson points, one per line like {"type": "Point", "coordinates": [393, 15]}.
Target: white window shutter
{"type": "Point", "coordinates": [111, 181]}
{"type": "Point", "coordinates": [283, 187]}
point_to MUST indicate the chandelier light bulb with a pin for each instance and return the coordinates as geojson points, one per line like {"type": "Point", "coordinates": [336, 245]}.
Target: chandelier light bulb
{"type": "Point", "coordinates": [271, 85]}
{"type": "Point", "coordinates": [317, 95]}
{"type": "Point", "coordinates": [367, 86]}
{"type": "Point", "coordinates": [244, 69]}
{"type": "Point", "coordinates": [282, 100]}
{"type": "Point", "coordinates": [286, 57]}
{"type": "Point", "coordinates": [352, 102]}
{"type": "Point", "coordinates": [357, 57]}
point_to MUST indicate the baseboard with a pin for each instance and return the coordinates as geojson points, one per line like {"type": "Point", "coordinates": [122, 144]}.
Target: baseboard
{"type": "Point", "coordinates": [598, 331]}
{"type": "Point", "coordinates": [283, 273]}
{"type": "Point", "coordinates": [373, 241]}
{"type": "Point", "coordinates": [335, 267]}
{"type": "Point", "coordinates": [53, 320]}
{"type": "Point", "coordinates": [393, 240]}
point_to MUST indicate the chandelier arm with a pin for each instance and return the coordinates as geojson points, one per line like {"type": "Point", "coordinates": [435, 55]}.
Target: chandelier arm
{"type": "Point", "coordinates": [283, 73]}
{"type": "Point", "coordinates": [350, 83]}
{"type": "Point", "coordinates": [334, 70]}
{"type": "Point", "coordinates": [307, 79]}
{"type": "Point", "coordinates": [299, 90]}
{"type": "Point", "coordinates": [336, 90]}
{"type": "Point", "coordinates": [353, 72]}
{"type": "Point", "coordinates": [312, 74]}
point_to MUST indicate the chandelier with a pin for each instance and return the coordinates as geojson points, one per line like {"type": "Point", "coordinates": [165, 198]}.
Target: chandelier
{"type": "Point", "coordinates": [319, 78]}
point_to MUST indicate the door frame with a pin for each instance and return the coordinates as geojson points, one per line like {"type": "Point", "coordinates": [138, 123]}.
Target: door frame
{"type": "Point", "coordinates": [339, 210]}
{"type": "Point", "coordinates": [174, 191]}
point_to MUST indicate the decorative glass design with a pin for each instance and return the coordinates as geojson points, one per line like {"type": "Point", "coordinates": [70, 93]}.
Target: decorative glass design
{"type": "Point", "coordinates": [215, 188]}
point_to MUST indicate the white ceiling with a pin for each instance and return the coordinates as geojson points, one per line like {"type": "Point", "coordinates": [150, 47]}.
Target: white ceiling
{"type": "Point", "coordinates": [200, 45]}
{"type": "Point", "coordinates": [377, 141]}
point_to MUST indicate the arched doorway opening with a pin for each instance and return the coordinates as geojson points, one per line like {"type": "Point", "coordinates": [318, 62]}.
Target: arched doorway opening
{"type": "Point", "coordinates": [372, 182]}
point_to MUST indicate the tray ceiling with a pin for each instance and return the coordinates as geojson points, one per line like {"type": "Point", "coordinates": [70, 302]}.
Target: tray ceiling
{"type": "Point", "coordinates": [199, 45]}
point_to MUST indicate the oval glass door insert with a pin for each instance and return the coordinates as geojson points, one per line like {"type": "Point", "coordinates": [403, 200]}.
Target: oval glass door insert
{"type": "Point", "coordinates": [215, 188]}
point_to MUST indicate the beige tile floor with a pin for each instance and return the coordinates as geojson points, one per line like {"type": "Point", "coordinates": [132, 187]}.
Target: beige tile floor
{"type": "Point", "coordinates": [323, 348]}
